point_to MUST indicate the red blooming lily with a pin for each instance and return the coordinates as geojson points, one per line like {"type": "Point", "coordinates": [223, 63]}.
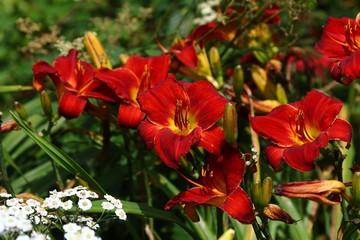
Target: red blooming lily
{"type": "Point", "coordinates": [74, 83]}
{"type": "Point", "coordinates": [341, 41]}
{"type": "Point", "coordinates": [137, 75]}
{"type": "Point", "coordinates": [180, 115]}
{"type": "Point", "coordinates": [298, 131]}
{"type": "Point", "coordinates": [218, 186]}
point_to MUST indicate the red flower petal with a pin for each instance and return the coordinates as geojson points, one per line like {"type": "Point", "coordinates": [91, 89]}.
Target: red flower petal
{"type": "Point", "coordinates": [148, 131]}
{"type": "Point", "coordinates": [159, 102]}
{"type": "Point", "coordinates": [130, 116]}
{"type": "Point", "coordinates": [274, 155]}
{"type": "Point", "coordinates": [170, 146]}
{"type": "Point", "coordinates": [350, 66]}
{"type": "Point", "coordinates": [340, 130]}
{"type": "Point", "coordinates": [70, 105]}
{"type": "Point", "coordinates": [211, 139]}
{"type": "Point", "coordinates": [41, 69]}
{"type": "Point", "coordinates": [276, 126]}
{"type": "Point", "coordinates": [303, 157]}
{"type": "Point", "coordinates": [206, 102]}
{"type": "Point", "coordinates": [196, 195]}
{"type": "Point", "coordinates": [185, 53]}
{"type": "Point", "coordinates": [123, 81]}
{"type": "Point", "coordinates": [157, 65]}
{"type": "Point", "coordinates": [239, 206]}
{"type": "Point", "coordinates": [320, 110]}
{"type": "Point", "coordinates": [333, 37]}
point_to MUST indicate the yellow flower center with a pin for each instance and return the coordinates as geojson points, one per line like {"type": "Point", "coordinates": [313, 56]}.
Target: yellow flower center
{"type": "Point", "coordinates": [303, 133]}
{"type": "Point", "coordinates": [183, 120]}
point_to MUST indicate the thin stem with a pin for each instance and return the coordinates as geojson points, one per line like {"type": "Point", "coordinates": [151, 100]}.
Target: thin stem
{"type": "Point", "coordinates": [339, 159]}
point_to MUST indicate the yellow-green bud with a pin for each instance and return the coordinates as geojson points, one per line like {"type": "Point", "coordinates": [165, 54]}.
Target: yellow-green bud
{"type": "Point", "coordinates": [230, 124]}
{"type": "Point", "coordinates": [46, 103]}
{"type": "Point", "coordinates": [256, 193]}
{"type": "Point", "coordinates": [281, 94]}
{"type": "Point", "coordinates": [238, 82]}
{"type": "Point", "coordinates": [229, 234]}
{"type": "Point", "coordinates": [96, 51]}
{"type": "Point", "coordinates": [355, 190]}
{"type": "Point", "coordinates": [21, 111]}
{"type": "Point", "coordinates": [215, 63]}
{"type": "Point", "coordinates": [266, 191]}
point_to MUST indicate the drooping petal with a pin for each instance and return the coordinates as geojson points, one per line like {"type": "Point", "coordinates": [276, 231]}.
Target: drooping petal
{"type": "Point", "coordinates": [158, 67]}
{"type": "Point", "coordinates": [303, 157]}
{"type": "Point", "coordinates": [170, 146]}
{"type": "Point", "coordinates": [185, 53]}
{"type": "Point", "coordinates": [41, 69]}
{"type": "Point", "coordinates": [159, 103]}
{"type": "Point", "coordinates": [239, 206]}
{"type": "Point", "coordinates": [276, 125]}
{"type": "Point", "coordinates": [130, 116]}
{"type": "Point", "coordinates": [274, 155]}
{"type": "Point", "coordinates": [314, 105]}
{"type": "Point", "coordinates": [211, 139]}
{"type": "Point", "coordinates": [148, 131]}
{"type": "Point", "coordinates": [123, 81]}
{"type": "Point", "coordinates": [350, 66]}
{"type": "Point", "coordinates": [340, 130]}
{"type": "Point", "coordinates": [70, 105]}
{"type": "Point", "coordinates": [206, 102]}
{"type": "Point", "coordinates": [197, 195]}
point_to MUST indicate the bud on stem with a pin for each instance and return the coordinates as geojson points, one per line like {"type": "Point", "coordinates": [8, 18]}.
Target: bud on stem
{"type": "Point", "coordinates": [96, 51]}
{"type": "Point", "coordinates": [21, 111]}
{"type": "Point", "coordinates": [238, 82]}
{"type": "Point", "coordinates": [230, 124]}
{"type": "Point", "coordinates": [46, 103]}
{"type": "Point", "coordinates": [215, 63]}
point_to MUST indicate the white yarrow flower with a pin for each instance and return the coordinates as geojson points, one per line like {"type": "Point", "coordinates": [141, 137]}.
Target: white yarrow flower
{"type": "Point", "coordinates": [107, 206]}
{"type": "Point", "coordinates": [67, 205]}
{"type": "Point", "coordinates": [120, 213]}
{"type": "Point", "coordinates": [71, 228]}
{"type": "Point", "coordinates": [84, 204]}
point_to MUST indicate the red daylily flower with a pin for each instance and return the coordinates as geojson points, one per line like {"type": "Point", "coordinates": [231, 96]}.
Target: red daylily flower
{"type": "Point", "coordinates": [218, 186]}
{"type": "Point", "coordinates": [137, 75]}
{"type": "Point", "coordinates": [74, 83]}
{"type": "Point", "coordinates": [180, 115]}
{"type": "Point", "coordinates": [298, 131]}
{"type": "Point", "coordinates": [340, 41]}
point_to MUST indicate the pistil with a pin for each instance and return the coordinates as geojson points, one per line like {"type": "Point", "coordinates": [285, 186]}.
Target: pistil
{"type": "Point", "coordinates": [181, 115]}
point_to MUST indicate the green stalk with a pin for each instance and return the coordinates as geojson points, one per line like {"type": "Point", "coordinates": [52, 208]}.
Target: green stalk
{"type": "Point", "coordinates": [3, 174]}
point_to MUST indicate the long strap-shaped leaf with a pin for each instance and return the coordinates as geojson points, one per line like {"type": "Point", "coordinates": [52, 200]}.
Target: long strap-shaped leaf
{"type": "Point", "coordinates": [58, 155]}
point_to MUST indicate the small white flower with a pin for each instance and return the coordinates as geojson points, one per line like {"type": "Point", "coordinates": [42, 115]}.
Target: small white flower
{"type": "Point", "coordinates": [109, 198]}
{"type": "Point", "coordinates": [32, 203]}
{"type": "Point", "coordinates": [107, 206]}
{"type": "Point", "coordinates": [67, 205]}
{"type": "Point", "coordinates": [27, 210]}
{"type": "Point", "coordinates": [37, 236]}
{"type": "Point", "coordinates": [84, 204]}
{"type": "Point", "coordinates": [83, 194]}
{"type": "Point", "coordinates": [10, 221]}
{"type": "Point", "coordinates": [71, 228]}
{"type": "Point", "coordinates": [24, 225]}
{"type": "Point", "coordinates": [87, 233]}
{"type": "Point", "coordinates": [117, 203]}
{"type": "Point", "coordinates": [52, 202]}
{"type": "Point", "coordinates": [5, 195]}
{"type": "Point", "coordinates": [93, 195]}
{"type": "Point", "coordinates": [70, 192]}
{"type": "Point", "coordinates": [72, 236]}
{"type": "Point", "coordinates": [121, 214]}
{"type": "Point", "coordinates": [13, 202]}
{"type": "Point", "coordinates": [23, 237]}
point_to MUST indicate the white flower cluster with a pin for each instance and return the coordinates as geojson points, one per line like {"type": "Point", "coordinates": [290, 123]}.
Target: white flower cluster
{"type": "Point", "coordinates": [18, 218]}
{"type": "Point", "coordinates": [22, 219]}
{"type": "Point", "coordinates": [207, 12]}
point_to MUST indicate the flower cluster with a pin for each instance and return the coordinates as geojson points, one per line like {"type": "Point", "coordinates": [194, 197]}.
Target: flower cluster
{"type": "Point", "coordinates": [31, 218]}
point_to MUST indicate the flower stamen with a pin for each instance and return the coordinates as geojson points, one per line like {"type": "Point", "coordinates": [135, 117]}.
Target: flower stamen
{"type": "Point", "coordinates": [181, 115]}
{"type": "Point", "coordinates": [300, 130]}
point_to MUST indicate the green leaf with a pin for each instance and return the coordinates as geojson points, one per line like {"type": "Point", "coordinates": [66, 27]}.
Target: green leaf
{"type": "Point", "coordinates": [57, 154]}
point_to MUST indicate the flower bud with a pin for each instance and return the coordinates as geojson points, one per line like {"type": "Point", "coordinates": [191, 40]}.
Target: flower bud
{"type": "Point", "coordinates": [215, 63]}
{"type": "Point", "coordinates": [46, 103]}
{"type": "Point", "coordinates": [274, 212]}
{"type": "Point", "coordinates": [96, 51]}
{"type": "Point", "coordinates": [238, 83]}
{"type": "Point", "coordinates": [21, 111]}
{"type": "Point", "coordinates": [266, 191]}
{"type": "Point", "coordinates": [229, 234]}
{"type": "Point", "coordinates": [8, 126]}
{"type": "Point", "coordinates": [256, 193]}
{"type": "Point", "coordinates": [355, 190]}
{"type": "Point", "coordinates": [230, 124]}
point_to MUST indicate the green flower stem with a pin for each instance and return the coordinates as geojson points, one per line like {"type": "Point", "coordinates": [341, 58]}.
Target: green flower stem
{"type": "Point", "coordinates": [339, 159]}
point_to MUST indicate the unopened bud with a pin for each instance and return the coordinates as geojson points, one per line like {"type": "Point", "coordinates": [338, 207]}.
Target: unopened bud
{"type": "Point", "coordinates": [230, 124]}
{"type": "Point", "coordinates": [46, 103]}
{"type": "Point", "coordinates": [256, 193]}
{"type": "Point", "coordinates": [96, 51]}
{"type": "Point", "coordinates": [274, 212]}
{"type": "Point", "coordinates": [281, 94]}
{"type": "Point", "coordinates": [355, 190]}
{"type": "Point", "coordinates": [215, 63]}
{"type": "Point", "coordinates": [266, 191]}
{"type": "Point", "coordinates": [229, 234]}
{"type": "Point", "coordinates": [21, 111]}
{"type": "Point", "coordinates": [238, 82]}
